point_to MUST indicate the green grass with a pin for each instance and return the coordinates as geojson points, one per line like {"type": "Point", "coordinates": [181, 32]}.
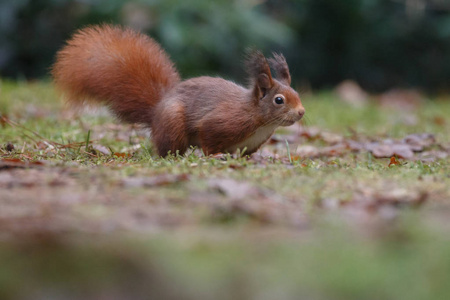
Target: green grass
{"type": "Point", "coordinates": [86, 224]}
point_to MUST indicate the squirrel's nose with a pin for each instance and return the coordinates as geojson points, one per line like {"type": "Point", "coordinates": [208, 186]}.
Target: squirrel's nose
{"type": "Point", "coordinates": [301, 112]}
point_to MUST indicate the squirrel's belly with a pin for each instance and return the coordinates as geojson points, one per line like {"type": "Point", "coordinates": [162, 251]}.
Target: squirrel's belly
{"type": "Point", "coordinates": [253, 142]}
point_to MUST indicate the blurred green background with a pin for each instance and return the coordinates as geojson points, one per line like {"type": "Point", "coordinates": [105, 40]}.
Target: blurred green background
{"type": "Point", "coordinates": [381, 44]}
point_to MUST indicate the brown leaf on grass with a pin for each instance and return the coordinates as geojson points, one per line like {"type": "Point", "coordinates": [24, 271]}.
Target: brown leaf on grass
{"type": "Point", "coordinates": [297, 130]}
{"type": "Point", "coordinates": [296, 158]}
{"type": "Point", "coordinates": [335, 150]}
{"type": "Point", "coordinates": [122, 155]}
{"type": "Point", "coordinates": [308, 151]}
{"type": "Point", "coordinates": [339, 145]}
{"type": "Point", "coordinates": [404, 148]}
{"type": "Point", "coordinates": [394, 162]}
{"type": "Point", "coordinates": [310, 133]}
{"type": "Point", "coordinates": [390, 149]}
{"type": "Point", "coordinates": [159, 180]}
{"type": "Point", "coordinates": [354, 146]}
{"type": "Point", "coordinates": [41, 145]}
{"type": "Point", "coordinates": [402, 151]}
{"type": "Point", "coordinates": [418, 141]}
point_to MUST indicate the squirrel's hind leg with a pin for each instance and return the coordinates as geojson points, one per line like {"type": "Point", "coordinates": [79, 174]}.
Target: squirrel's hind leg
{"type": "Point", "coordinates": [169, 131]}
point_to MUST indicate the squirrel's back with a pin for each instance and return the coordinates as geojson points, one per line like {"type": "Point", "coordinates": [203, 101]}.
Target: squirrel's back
{"type": "Point", "coordinates": [126, 70]}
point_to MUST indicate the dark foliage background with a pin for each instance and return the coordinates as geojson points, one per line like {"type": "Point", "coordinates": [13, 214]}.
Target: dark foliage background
{"type": "Point", "coordinates": [379, 43]}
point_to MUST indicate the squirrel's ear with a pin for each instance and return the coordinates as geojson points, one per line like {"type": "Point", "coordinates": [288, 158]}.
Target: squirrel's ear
{"type": "Point", "coordinates": [259, 71]}
{"type": "Point", "coordinates": [279, 65]}
{"type": "Point", "coordinates": [264, 81]}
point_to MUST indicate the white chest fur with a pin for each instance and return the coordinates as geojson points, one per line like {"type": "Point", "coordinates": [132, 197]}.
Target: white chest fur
{"type": "Point", "coordinates": [255, 140]}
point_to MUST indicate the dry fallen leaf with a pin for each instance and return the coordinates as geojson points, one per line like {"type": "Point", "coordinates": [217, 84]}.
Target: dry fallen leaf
{"type": "Point", "coordinates": [122, 155]}
{"type": "Point", "coordinates": [295, 157]}
{"type": "Point", "coordinates": [389, 148]}
{"type": "Point", "coordinates": [419, 141]}
{"type": "Point", "coordinates": [310, 133]}
{"type": "Point", "coordinates": [394, 162]}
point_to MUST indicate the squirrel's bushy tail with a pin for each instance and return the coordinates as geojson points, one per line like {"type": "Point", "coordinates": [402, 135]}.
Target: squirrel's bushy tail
{"type": "Point", "coordinates": [123, 69]}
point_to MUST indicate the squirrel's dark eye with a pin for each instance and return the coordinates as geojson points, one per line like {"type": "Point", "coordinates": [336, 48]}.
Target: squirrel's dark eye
{"type": "Point", "coordinates": [279, 100]}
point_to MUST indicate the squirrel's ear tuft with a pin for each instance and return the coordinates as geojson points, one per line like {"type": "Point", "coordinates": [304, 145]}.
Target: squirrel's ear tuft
{"type": "Point", "coordinates": [279, 65]}
{"type": "Point", "coordinates": [259, 71]}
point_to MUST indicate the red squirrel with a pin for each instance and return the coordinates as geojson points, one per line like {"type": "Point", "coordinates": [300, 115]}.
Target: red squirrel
{"type": "Point", "coordinates": [133, 76]}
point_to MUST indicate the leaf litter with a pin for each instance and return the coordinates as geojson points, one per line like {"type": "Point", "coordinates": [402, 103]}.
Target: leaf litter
{"type": "Point", "coordinates": [101, 200]}
{"type": "Point", "coordinates": [333, 144]}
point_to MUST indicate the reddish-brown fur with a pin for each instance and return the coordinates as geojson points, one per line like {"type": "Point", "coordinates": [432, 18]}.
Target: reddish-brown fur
{"type": "Point", "coordinates": [133, 76]}
{"type": "Point", "coordinates": [125, 70]}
